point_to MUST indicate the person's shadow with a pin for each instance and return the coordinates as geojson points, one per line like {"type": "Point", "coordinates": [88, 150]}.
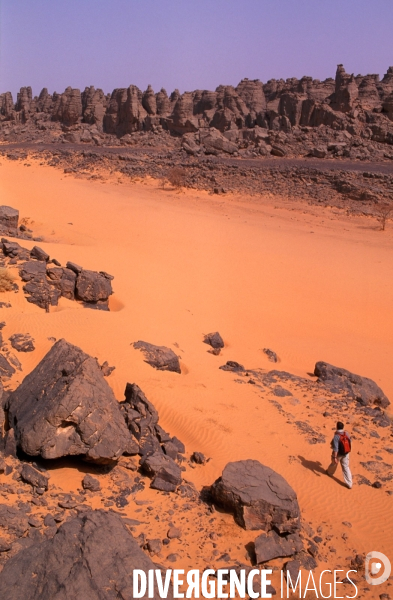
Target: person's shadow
{"type": "Point", "coordinates": [316, 467]}
{"type": "Point", "coordinates": [313, 465]}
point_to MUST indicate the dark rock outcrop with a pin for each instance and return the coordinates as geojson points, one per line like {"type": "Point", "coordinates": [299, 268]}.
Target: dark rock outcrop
{"type": "Point", "coordinates": [9, 217]}
{"type": "Point", "coordinates": [159, 357]}
{"type": "Point", "coordinates": [92, 287]}
{"type": "Point", "coordinates": [22, 342]}
{"type": "Point", "coordinates": [91, 556]}
{"type": "Point", "coordinates": [165, 472]}
{"type": "Point", "coordinates": [214, 340]}
{"type": "Point", "coordinates": [142, 420]}
{"type": "Point", "coordinates": [68, 107]}
{"type": "Point", "coordinates": [272, 545]}
{"type": "Point", "coordinates": [62, 279]}
{"type": "Point", "coordinates": [362, 389]}
{"type": "Point", "coordinates": [37, 288]}
{"type": "Point", "coordinates": [259, 497]}
{"type": "Point", "coordinates": [65, 407]}
{"type": "Point", "coordinates": [31, 475]}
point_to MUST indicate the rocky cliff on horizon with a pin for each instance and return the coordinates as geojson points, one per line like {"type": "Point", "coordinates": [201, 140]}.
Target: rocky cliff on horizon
{"type": "Point", "coordinates": [359, 105]}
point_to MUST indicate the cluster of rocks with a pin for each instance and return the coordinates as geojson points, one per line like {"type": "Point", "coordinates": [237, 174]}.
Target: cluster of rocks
{"type": "Point", "coordinates": [338, 390]}
{"type": "Point", "coordinates": [361, 106]}
{"type": "Point", "coordinates": [46, 280]}
{"type": "Point", "coordinates": [65, 407]}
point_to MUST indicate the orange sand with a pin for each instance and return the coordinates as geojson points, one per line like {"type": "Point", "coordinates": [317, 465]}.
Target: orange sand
{"type": "Point", "coordinates": [308, 282]}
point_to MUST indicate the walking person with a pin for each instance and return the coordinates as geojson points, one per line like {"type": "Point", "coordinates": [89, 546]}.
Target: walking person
{"type": "Point", "coordinates": [341, 447]}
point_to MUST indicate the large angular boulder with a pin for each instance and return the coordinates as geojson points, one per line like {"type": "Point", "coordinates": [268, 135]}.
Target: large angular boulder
{"type": "Point", "coordinates": [159, 357]}
{"type": "Point", "coordinates": [259, 497]}
{"type": "Point", "coordinates": [362, 389]}
{"type": "Point", "coordinates": [92, 556]}
{"type": "Point", "coordinates": [93, 287]}
{"type": "Point", "coordinates": [65, 407]}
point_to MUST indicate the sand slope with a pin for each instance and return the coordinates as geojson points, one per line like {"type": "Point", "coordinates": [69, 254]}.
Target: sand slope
{"type": "Point", "coordinates": [310, 284]}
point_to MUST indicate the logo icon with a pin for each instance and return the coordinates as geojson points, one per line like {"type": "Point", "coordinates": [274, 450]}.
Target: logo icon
{"type": "Point", "coordinates": [376, 562]}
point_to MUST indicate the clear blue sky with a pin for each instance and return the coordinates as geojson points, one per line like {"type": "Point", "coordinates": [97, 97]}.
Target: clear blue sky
{"type": "Point", "coordinates": [188, 44]}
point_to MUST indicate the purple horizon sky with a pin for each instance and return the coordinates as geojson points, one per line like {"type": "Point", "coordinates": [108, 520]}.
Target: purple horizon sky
{"type": "Point", "coordinates": [187, 44]}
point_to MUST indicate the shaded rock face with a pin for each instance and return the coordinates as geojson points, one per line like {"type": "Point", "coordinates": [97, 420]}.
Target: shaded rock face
{"type": "Point", "coordinates": [93, 106]}
{"type": "Point", "coordinates": [65, 407]}
{"type": "Point", "coordinates": [346, 91]}
{"type": "Point", "coordinates": [159, 357]}
{"type": "Point", "coordinates": [362, 389]}
{"type": "Point", "coordinates": [92, 556]}
{"type": "Point", "coordinates": [9, 217]}
{"type": "Point", "coordinates": [68, 107]}
{"type": "Point", "coordinates": [259, 497]}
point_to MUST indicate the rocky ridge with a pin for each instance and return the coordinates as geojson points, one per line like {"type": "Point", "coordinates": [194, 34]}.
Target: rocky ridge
{"type": "Point", "coordinates": [294, 137]}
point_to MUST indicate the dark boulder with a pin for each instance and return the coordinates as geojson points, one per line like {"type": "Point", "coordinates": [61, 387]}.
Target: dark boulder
{"type": "Point", "coordinates": [92, 556]}
{"type": "Point", "coordinates": [214, 340]}
{"type": "Point", "coordinates": [259, 497]}
{"type": "Point", "coordinates": [93, 287]}
{"type": "Point", "coordinates": [198, 458]}
{"type": "Point", "coordinates": [65, 407]}
{"type": "Point", "coordinates": [14, 250]}
{"type": "Point", "coordinates": [362, 389]}
{"type": "Point", "coordinates": [37, 288]}
{"type": "Point", "coordinates": [31, 475]}
{"type": "Point", "coordinates": [272, 356]}
{"type": "Point", "coordinates": [232, 365]}
{"type": "Point", "coordinates": [142, 420]}
{"type": "Point", "coordinates": [159, 357]}
{"type": "Point", "coordinates": [62, 279]}
{"type": "Point", "coordinates": [9, 217]}
{"type": "Point", "coordinates": [39, 254]}
{"type": "Point", "coordinates": [165, 472]}
{"type": "Point", "coordinates": [91, 483]}
{"type": "Point", "coordinates": [22, 342]}
{"type": "Point", "coordinates": [271, 545]}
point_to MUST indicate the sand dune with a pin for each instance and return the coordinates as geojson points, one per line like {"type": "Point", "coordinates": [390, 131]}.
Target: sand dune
{"type": "Point", "coordinates": [310, 284]}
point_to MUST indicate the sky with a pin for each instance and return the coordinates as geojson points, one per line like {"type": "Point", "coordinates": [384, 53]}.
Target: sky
{"type": "Point", "coordinates": [187, 44]}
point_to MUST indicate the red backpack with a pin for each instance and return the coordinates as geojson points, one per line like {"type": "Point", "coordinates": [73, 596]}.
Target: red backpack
{"type": "Point", "coordinates": [344, 444]}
